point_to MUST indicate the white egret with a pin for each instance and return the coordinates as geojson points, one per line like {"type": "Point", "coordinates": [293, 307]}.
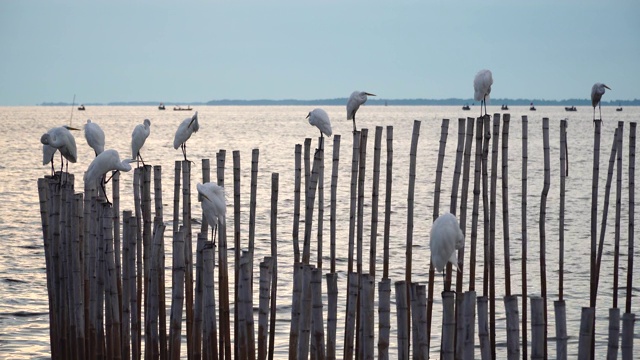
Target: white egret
{"type": "Point", "coordinates": [596, 94]}
{"type": "Point", "coordinates": [446, 237]}
{"type": "Point", "coordinates": [138, 137]}
{"type": "Point", "coordinates": [214, 205]}
{"type": "Point", "coordinates": [482, 88]}
{"type": "Point", "coordinates": [61, 139]}
{"type": "Point", "coordinates": [48, 152]}
{"type": "Point", "coordinates": [106, 161]}
{"type": "Point", "coordinates": [320, 119]}
{"type": "Point", "coordinates": [356, 99]}
{"type": "Point", "coordinates": [186, 128]}
{"type": "Point", "coordinates": [95, 136]}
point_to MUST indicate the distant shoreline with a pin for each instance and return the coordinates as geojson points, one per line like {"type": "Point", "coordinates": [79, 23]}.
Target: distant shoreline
{"type": "Point", "coordinates": [371, 102]}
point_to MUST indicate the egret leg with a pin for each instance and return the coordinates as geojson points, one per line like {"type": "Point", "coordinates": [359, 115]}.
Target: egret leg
{"type": "Point", "coordinates": [485, 104]}
{"type": "Point", "coordinates": [354, 122]}
{"type": "Point", "coordinates": [599, 109]}
{"type": "Point", "coordinates": [113, 173]}
{"type": "Point", "coordinates": [184, 151]}
{"type": "Point", "coordinates": [53, 170]}
{"type": "Point", "coordinates": [141, 159]}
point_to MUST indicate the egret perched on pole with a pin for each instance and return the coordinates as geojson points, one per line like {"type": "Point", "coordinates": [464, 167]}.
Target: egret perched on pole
{"type": "Point", "coordinates": [320, 119]}
{"type": "Point", "coordinates": [186, 128]}
{"type": "Point", "coordinates": [61, 139]}
{"type": "Point", "coordinates": [138, 137]}
{"type": "Point", "coordinates": [214, 205]}
{"type": "Point", "coordinates": [596, 94]}
{"type": "Point", "coordinates": [95, 136]}
{"type": "Point", "coordinates": [107, 161]}
{"type": "Point", "coordinates": [446, 237]}
{"type": "Point", "coordinates": [356, 99]}
{"type": "Point", "coordinates": [482, 88]}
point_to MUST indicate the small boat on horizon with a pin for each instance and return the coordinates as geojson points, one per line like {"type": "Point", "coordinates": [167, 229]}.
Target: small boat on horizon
{"type": "Point", "coordinates": [504, 107]}
{"type": "Point", "coordinates": [466, 107]}
{"type": "Point", "coordinates": [81, 107]}
{"type": "Point", "coordinates": [180, 108]}
{"type": "Point", "coordinates": [570, 108]}
{"type": "Point", "coordinates": [532, 108]}
{"type": "Point", "coordinates": [619, 108]}
{"type": "Point", "coordinates": [161, 106]}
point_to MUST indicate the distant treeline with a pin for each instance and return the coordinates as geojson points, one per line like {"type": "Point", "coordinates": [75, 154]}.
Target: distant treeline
{"type": "Point", "coordinates": [371, 101]}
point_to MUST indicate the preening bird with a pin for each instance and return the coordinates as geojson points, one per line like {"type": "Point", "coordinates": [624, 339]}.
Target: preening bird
{"type": "Point", "coordinates": [214, 205]}
{"type": "Point", "coordinates": [446, 237]}
{"type": "Point", "coordinates": [138, 137]}
{"type": "Point", "coordinates": [482, 88]}
{"type": "Point", "coordinates": [48, 152]}
{"type": "Point", "coordinates": [61, 139]}
{"type": "Point", "coordinates": [320, 119]}
{"type": "Point", "coordinates": [596, 95]}
{"type": "Point", "coordinates": [186, 128]}
{"type": "Point", "coordinates": [95, 136]}
{"type": "Point", "coordinates": [107, 161]}
{"type": "Point", "coordinates": [356, 99]}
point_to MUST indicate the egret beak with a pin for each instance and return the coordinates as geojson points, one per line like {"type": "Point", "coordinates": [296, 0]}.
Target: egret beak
{"type": "Point", "coordinates": [370, 94]}
{"type": "Point", "coordinates": [309, 114]}
{"type": "Point", "coordinates": [76, 129]}
{"type": "Point", "coordinates": [205, 196]}
{"type": "Point", "coordinates": [606, 86]}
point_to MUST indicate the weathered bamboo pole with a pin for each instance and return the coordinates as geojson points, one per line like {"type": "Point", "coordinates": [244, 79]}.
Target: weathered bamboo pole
{"type": "Point", "coordinates": [210, 348]}
{"type": "Point", "coordinates": [513, 331]}
{"type": "Point", "coordinates": [614, 334]}
{"type": "Point", "coordinates": [402, 312]}
{"type": "Point", "coordinates": [476, 204]}
{"type": "Point", "coordinates": [505, 204]}
{"type": "Point", "coordinates": [419, 311]}
{"type": "Point", "coordinates": [332, 314]}
{"type": "Point", "coordinates": [384, 317]}
{"type": "Point", "coordinates": [559, 305]}
{"type": "Point", "coordinates": [448, 325]}
{"type": "Point", "coordinates": [561, 329]}
{"type": "Point", "coordinates": [311, 195]}
{"type": "Point", "coordinates": [296, 299]}
{"type": "Point", "coordinates": [492, 232]}
{"type": "Point", "coordinates": [126, 287]}
{"type": "Point", "coordinates": [162, 314]}
{"type": "Point", "coordinates": [274, 258]}
{"type": "Point", "coordinates": [296, 204]}
{"type": "Point", "coordinates": [154, 293]}
{"type": "Point", "coordinates": [628, 321]}
{"type": "Point", "coordinates": [586, 335]}
{"type": "Point", "coordinates": [198, 313]}
{"type": "Point", "coordinates": [140, 271]}
{"type": "Point", "coordinates": [333, 203]}
{"type": "Point", "coordinates": [374, 204]}
{"type": "Point", "coordinates": [413, 153]}
{"type": "Point", "coordinates": [45, 201]}
{"type": "Point", "coordinates": [241, 336]}
{"type": "Point", "coordinates": [486, 210]}
{"type": "Point", "coordinates": [457, 173]}
{"type": "Point", "coordinates": [542, 225]}
{"type": "Point", "coordinates": [616, 247]}
{"type": "Point", "coordinates": [631, 229]}
{"type": "Point", "coordinates": [133, 291]}
{"type": "Point", "coordinates": [224, 339]}
{"type": "Point", "coordinates": [320, 202]}
{"type": "Point", "coordinates": [387, 204]}
{"type": "Point", "coordinates": [305, 313]}
{"type": "Point", "coordinates": [362, 163]}
{"type": "Point", "coordinates": [78, 274]}
{"type": "Point", "coordinates": [237, 251]}
{"type": "Point", "coordinates": [317, 336]}
{"type": "Point", "coordinates": [523, 221]}
{"type": "Point", "coordinates": [366, 317]}
{"type": "Point", "coordinates": [469, 315]}
{"type": "Point", "coordinates": [594, 209]}
{"type": "Point", "coordinates": [148, 249]}
{"type": "Point", "coordinates": [263, 308]}
{"type": "Point", "coordinates": [115, 195]}
{"type": "Point", "coordinates": [188, 253]}
{"type": "Point", "coordinates": [111, 292]}
{"type": "Point", "coordinates": [350, 323]}
{"type": "Point", "coordinates": [352, 296]}
{"type": "Point", "coordinates": [444, 133]}
{"type": "Point", "coordinates": [177, 297]}
{"type": "Point", "coordinates": [538, 328]}
{"type": "Point", "coordinates": [253, 202]}
{"type": "Point", "coordinates": [483, 327]}
{"type": "Point", "coordinates": [332, 277]}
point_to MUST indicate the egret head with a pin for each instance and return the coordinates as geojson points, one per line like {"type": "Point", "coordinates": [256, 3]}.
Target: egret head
{"type": "Point", "coordinates": [45, 138]}
{"type": "Point", "coordinates": [147, 122]}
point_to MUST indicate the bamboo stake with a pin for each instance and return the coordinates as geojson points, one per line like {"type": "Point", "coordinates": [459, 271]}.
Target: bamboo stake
{"type": "Point", "coordinates": [317, 340]}
{"type": "Point", "coordinates": [311, 194]}
{"type": "Point", "coordinates": [492, 232]}
{"type": "Point", "coordinates": [614, 333]}
{"type": "Point", "coordinates": [486, 206]}
{"type": "Point", "coordinates": [43, 196]}
{"type": "Point", "coordinates": [505, 205]}
{"type": "Point", "coordinates": [409, 243]}
{"type": "Point", "coordinates": [402, 312]}
{"type": "Point", "coordinates": [115, 189]}
{"type": "Point", "coordinates": [126, 286]}
{"type": "Point", "coordinates": [320, 200]}
{"type": "Point", "coordinates": [523, 220]}
{"type": "Point", "coordinates": [454, 191]}
{"type": "Point", "coordinates": [186, 222]}
{"type": "Point", "coordinates": [360, 229]}
{"type": "Point", "coordinates": [594, 209]}
{"type": "Point", "coordinates": [631, 230]}
{"type": "Point", "coordinates": [237, 250]}
{"type": "Point", "coordinates": [133, 292]}
{"type": "Point", "coordinates": [628, 321]}
{"type": "Point", "coordinates": [177, 298]}
{"type": "Point", "coordinates": [448, 325]}
{"type": "Point", "coordinates": [616, 248]}
{"type": "Point", "coordinates": [241, 337]}
{"type": "Point", "coordinates": [538, 328]}
{"type": "Point", "coordinates": [366, 317]}
{"type": "Point", "coordinates": [140, 272]}
{"type": "Point", "coordinates": [332, 314]}
{"type": "Point", "coordinates": [333, 204]}
{"type": "Point", "coordinates": [157, 190]}
{"type": "Point", "coordinates": [384, 317]}
{"type": "Point", "coordinates": [476, 203]}
{"type": "Point", "coordinates": [305, 314]}
{"type": "Point", "coordinates": [352, 295]}
{"type": "Point", "coordinates": [563, 140]}
{"type": "Point", "coordinates": [198, 314]}
{"type": "Point", "coordinates": [296, 204]}
{"type": "Point", "coordinates": [483, 328]}
{"type": "Point", "coordinates": [263, 308]}
{"type": "Point", "coordinates": [561, 328]}
{"type": "Point", "coordinates": [274, 256]}
{"type": "Point", "coordinates": [255, 155]}
{"type": "Point", "coordinates": [387, 204]}
{"type": "Point", "coordinates": [585, 338]}
{"type": "Point", "coordinates": [542, 224]}
{"type": "Point", "coordinates": [350, 325]}
{"type": "Point", "coordinates": [223, 273]}
{"type": "Point", "coordinates": [296, 299]}
{"type": "Point", "coordinates": [210, 350]}
{"type": "Point", "coordinates": [513, 332]}
{"type": "Point", "coordinates": [154, 293]}
{"type": "Point", "coordinates": [469, 315]}
{"type": "Point", "coordinates": [374, 203]}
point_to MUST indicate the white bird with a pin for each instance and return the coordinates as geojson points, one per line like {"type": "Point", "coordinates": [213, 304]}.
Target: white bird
{"type": "Point", "coordinates": [48, 152]}
{"type": "Point", "coordinates": [356, 99]}
{"type": "Point", "coordinates": [596, 94]}
{"type": "Point", "coordinates": [320, 119]}
{"type": "Point", "coordinates": [95, 136]}
{"type": "Point", "coordinates": [214, 205]}
{"type": "Point", "coordinates": [446, 237]}
{"type": "Point", "coordinates": [186, 128]}
{"type": "Point", "coordinates": [138, 137]}
{"type": "Point", "coordinates": [106, 161]}
{"type": "Point", "coordinates": [482, 88]}
{"type": "Point", "coordinates": [61, 139]}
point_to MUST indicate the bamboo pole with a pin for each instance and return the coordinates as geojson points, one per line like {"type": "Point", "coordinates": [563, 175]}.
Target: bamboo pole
{"type": "Point", "coordinates": [513, 331]}
{"type": "Point", "coordinates": [360, 230]}
{"type": "Point", "coordinates": [296, 203]}
{"type": "Point", "coordinates": [186, 222]}
{"type": "Point", "coordinates": [349, 324]}
{"type": "Point", "coordinates": [616, 248]}
{"type": "Point", "coordinates": [542, 225]}
{"type": "Point", "coordinates": [126, 286]}
{"type": "Point", "coordinates": [237, 250]}
{"type": "Point", "coordinates": [274, 256]}
{"type": "Point", "coordinates": [224, 340]}
{"type": "Point", "coordinates": [448, 325]}
{"type": "Point", "coordinates": [561, 328]}
{"type": "Point", "coordinates": [374, 204]}
{"type": "Point", "coordinates": [413, 152]}
{"type": "Point", "coordinates": [631, 229]}
{"type": "Point", "coordinates": [483, 327]}
{"type": "Point", "coordinates": [614, 333]}
{"type": "Point", "coordinates": [402, 314]}
{"type": "Point", "coordinates": [505, 204]}
{"type": "Point", "coordinates": [154, 293]}
{"type": "Point", "coordinates": [469, 315]}
{"type": "Point", "coordinates": [538, 328]}
{"type": "Point", "coordinates": [162, 314]}
{"type": "Point", "coordinates": [387, 204]}
{"type": "Point", "coordinates": [43, 197]}
{"type": "Point", "coordinates": [492, 232]}
{"type": "Point", "coordinates": [115, 195]}
{"type": "Point", "coordinates": [523, 220]}
{"type": "Point", "coordinates": [263, 308]}
{"type": "Point", "coordinates": [198, 313]}
{"type": "Point", "coordinates": [311, 194]}
{"type": "Point", "coordinates": [210, 349]}
{"type": "Point", "coordinates": [305, 314]}
{"type": "Point", "coordinates": [628, 321]}
{"type": "Point", "coordinates": [333, 204]}
{"type": "Point", "coordinates": [476, 204]}
{"type": "Point", "coordinates": [457, 172]}
{"type": "Point", "coordinates": [384, 317]}
{"type": "Point", "coordinates": [366, 317]}
{"type": "Point", "coordinates": [140, 271]}
{"type": "Point", "coordinates": [177, 297]}
{"type": "Point", "coordinates": [586, 335]}
{"type": "Point", "coordinates": [563, 141]}
{"type": "Point", "coordinates": [594, 209]}
{"type": "Point", "coordinates": [350, 319]}
{"type": "Point", "coordinates": [317, 340]}
{"type": "Point", "coordinates": [133, 292]}
{"type": "Point", "coordinates": [241, 336]}
{"type": "Point", "coordinates": [486, 206]}
{"type": "Point", "coordinates": [296, 298]}
{"type": "Point", "coordinates": [255, 156]}
{"type": "Point", "coordinates": [320, 200]}
{"type": "Point", "coordinates": [332, 314]}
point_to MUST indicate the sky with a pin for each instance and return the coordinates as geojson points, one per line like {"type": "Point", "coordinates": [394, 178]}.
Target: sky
{"type": "Point", "coordinates": [196, 51]}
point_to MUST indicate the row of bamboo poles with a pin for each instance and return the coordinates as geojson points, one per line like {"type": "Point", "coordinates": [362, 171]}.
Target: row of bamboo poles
{"type": "Point", "coordinates": [106, 278]}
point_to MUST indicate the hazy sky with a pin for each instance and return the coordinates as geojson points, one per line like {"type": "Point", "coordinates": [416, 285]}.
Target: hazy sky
{"type": "Point", "coordinates": [179, 51]}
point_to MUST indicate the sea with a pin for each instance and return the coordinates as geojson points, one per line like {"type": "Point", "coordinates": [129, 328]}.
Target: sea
{"type": "Point", "coordinates": [275, 131]}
